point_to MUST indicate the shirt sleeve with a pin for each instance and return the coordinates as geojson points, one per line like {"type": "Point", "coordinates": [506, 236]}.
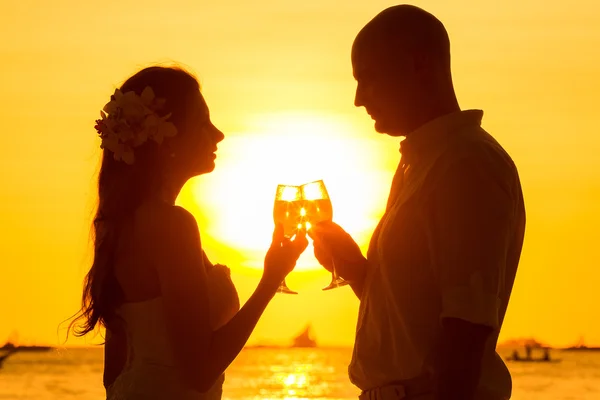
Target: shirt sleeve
{"type": "Point", "coordinates": [468, 218]}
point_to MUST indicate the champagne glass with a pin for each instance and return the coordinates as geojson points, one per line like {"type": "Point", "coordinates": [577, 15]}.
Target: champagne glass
{"type": "Point", "coordinates": [287, 211]}
{"type": "Point", "coordinates": [317, 208]}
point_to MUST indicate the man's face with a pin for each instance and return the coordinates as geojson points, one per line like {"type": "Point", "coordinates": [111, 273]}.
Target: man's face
{"type": "Point", "coordinates": [387, 87]}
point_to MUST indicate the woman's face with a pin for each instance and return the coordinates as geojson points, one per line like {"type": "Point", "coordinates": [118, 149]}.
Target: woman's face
{"type": "Point", "coordinates": [194, 150]}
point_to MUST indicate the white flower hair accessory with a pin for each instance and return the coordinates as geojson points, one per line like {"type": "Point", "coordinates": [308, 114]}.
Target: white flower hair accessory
{"type": "Point", "coordinates": [131, 121]}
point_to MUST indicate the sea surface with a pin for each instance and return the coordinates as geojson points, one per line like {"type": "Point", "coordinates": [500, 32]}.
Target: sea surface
{"type": "Point", "coordinates": [289, 374]}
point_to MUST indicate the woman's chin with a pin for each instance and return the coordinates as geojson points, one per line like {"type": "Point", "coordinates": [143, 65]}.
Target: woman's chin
{"type": "Point", "coordinates": [206, 167]}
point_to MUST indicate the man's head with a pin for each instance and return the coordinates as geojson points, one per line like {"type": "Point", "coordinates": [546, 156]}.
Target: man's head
{"type": "Point", "coordinates": [401, 61]}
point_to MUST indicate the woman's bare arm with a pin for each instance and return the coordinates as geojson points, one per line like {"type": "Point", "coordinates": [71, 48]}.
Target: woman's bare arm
{"type": "Point", "coordinates": [115, 352]}
{"type": "Point", "coordinates": [174, 248]}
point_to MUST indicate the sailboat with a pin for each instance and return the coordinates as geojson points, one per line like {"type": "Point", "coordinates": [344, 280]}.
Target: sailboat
{"type": "Point", "coordinates": [4, 356]}
{"type": "Point", "coordinates": [10, 346]}
{"type": "Point", "coordinates": [305, 339]}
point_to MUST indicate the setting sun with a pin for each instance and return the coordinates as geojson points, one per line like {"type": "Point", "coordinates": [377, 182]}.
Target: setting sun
{"type": "Point", "coordinates": [278, 80]}
{"type": "Point", "coordinates": [289, 148]}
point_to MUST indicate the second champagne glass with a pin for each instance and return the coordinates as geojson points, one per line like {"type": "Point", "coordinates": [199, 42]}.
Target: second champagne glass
{"type": "Point", "coordinates": [318, 208]}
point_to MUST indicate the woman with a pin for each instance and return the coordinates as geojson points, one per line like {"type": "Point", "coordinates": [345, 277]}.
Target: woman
{"type": "Point", "coordinates": [171, 317]}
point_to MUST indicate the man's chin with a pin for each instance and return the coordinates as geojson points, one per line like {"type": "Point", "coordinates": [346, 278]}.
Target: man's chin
{"type": "Point", "coordinates": [386, 129]}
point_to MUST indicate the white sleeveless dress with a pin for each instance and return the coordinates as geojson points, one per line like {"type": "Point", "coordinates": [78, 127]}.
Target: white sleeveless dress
{"type": "Point", "coordinates": [150, 373]}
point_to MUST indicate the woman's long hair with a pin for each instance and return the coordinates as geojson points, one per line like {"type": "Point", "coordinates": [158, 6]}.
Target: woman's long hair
{"type": "Point", "coordinates": [121, 190]}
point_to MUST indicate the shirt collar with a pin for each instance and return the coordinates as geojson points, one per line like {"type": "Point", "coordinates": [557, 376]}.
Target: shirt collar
{"type": "Point", "coordinates": [429, 140]}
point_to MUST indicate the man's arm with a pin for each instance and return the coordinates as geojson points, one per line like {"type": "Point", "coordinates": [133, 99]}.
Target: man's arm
{"type": "Point", "coordinates": [469, 226]}
{"type": "Point", "coordinates": [357, 278]}
{"type": "Point", "coordinates": [357, 288]}
{"type": "Point", "coordinates": [458, 363]}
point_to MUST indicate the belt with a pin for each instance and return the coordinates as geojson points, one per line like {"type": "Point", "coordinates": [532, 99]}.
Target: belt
{"type": "Point", "coordinates": [399, 390]}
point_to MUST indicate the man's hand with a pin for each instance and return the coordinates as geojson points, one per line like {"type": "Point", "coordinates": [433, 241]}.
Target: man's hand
{"type": "Point", "coordinates": [334, 245]}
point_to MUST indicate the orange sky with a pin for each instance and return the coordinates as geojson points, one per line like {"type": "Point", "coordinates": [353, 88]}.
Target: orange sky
{"type": "Point", "coordinates": [277, 77]}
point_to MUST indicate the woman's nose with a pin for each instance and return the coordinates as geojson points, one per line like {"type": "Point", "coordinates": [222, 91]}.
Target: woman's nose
{"type": "Point", "coordinates": [218, 135]}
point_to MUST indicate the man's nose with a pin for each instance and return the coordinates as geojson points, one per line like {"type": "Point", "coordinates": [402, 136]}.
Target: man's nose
{"type": "Point", "coordinates": [358, 100]}
{"type": "Point", "coordinates": [363, 95]}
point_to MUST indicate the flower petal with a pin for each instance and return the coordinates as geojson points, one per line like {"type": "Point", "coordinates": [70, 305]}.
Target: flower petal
{"type": "Point", "coordinates": [111, 107]}
{"type": "Point", "coordinates": [167, 129]}
{"type": "Point", "coordinates": [110, 142]}
{"type": "Point", "coordinates": [141, 138]}
{"type": "Point", "coordinates": [151, 121]}
{"type": "Point", "coordinates": [157, 137]}
{"type": "Point", "coordinates": [147, 96]}
{"type": "Point", "coordinates": [158, 104]}
{"type": "Point", "coordinates": [127, 97]}
{"type": "Point", "coordinates": [127, 155]}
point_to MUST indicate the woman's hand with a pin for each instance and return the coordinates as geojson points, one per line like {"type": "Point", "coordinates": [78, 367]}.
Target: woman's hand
{"type": "Point", "coordinates": [283, 255]}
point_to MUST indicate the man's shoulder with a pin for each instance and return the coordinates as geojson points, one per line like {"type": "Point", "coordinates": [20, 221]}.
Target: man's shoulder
{"type": "Point", "coordinates": [478, 147]}
{"type": "Point", "coordinates": [477, 153]}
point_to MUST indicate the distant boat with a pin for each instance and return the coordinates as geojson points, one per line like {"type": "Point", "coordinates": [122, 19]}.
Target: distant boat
{"type": "Point", "coordinates": [523, 342]}
{"type": "Point", "coordinates": [263, 346]}
{"type": "Point", "coordinates": [580, 346]}
{"type": "Point", "coordinates": [534, 360]}
{"type": "Point", "coordinates": [515, 357]}
{"type": "Point", "coordinates": [304, 339]}
{"type": "Point", "coordinates": [11, 347]}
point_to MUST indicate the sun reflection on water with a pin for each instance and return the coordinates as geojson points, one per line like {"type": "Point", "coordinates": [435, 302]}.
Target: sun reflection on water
{"type": "Point", "coordinates": [295, 381]}
{"type": "Point", "coordinates": [290, 374]}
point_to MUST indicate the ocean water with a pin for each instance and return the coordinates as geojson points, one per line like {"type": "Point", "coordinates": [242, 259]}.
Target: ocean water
{"type": "Point", "coordinates": [279, 374]}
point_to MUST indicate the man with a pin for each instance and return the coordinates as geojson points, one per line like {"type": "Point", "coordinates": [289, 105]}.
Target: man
{"type": "Point", "coordinates": [436, 281]}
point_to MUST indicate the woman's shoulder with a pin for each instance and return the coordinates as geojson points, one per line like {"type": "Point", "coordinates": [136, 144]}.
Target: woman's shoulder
{"type": "Point", "coordinates": [167, 233]}
{"type": "Point", "coordinates": [161, 212]}
{"type": "Point", "coordinates": [153, 217]}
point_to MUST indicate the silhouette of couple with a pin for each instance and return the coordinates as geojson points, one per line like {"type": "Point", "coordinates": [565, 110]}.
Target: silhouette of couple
{"type": "Point", "coordinates": [433, 288]}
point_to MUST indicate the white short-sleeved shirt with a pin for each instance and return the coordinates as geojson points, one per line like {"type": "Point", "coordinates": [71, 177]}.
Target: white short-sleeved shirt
{"type": "Point", "coordinates": [447, 246]}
